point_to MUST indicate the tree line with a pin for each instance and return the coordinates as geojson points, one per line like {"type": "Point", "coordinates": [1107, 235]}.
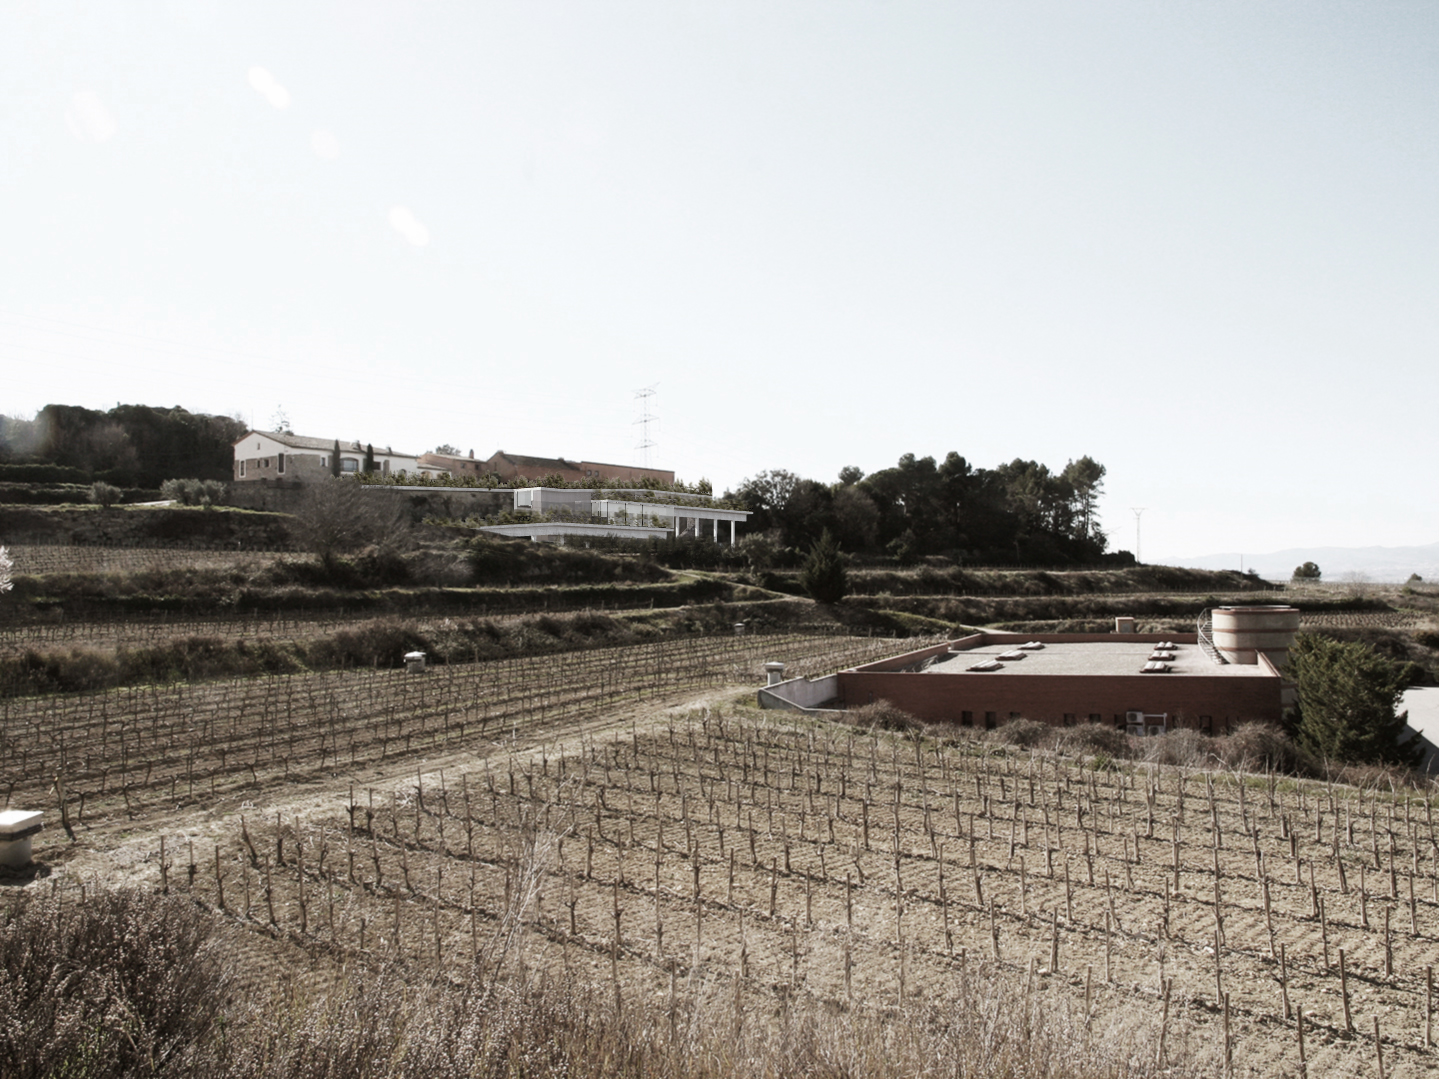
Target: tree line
{"type": "Point", "coordinates": [129, 445]}
{"type": "Point", "coordinates": [1016, 513]}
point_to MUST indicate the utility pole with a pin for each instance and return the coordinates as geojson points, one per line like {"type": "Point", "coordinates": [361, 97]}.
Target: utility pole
{"type": "Point", "coordinates": [1137, 510]}
{"type": "Point", "coordinates": [644, 396]}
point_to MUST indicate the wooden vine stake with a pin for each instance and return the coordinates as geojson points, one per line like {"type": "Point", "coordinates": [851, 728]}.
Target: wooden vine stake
{"type": "Point", "coordinates": [1164, 1019]}
{"type": "Point", "coordinates": [1300, 1035]}
{"type": "Point", "coordinates": [1284, 982]}
{"type": "Point", "coordinates": [1429, 983]}
{"type": "Point", "coordinates": [1345, 991]}
{"type": "Point", "coordinates": [1227, 1035]}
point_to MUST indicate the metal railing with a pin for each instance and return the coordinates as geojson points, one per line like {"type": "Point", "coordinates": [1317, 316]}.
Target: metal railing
{"type": "Point", "coordinates": [1204, 634]}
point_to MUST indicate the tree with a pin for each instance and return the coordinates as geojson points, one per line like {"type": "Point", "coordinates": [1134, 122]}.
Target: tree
{"type": "Point", "coordinates": [1307, 572]}
{"type": "Point", "coordinates": [823, 575]}
{"type": "Point", "coordinates": [335, 459]}
{"type": "Point", "coordinates": [1086, 478]}
{"type": "Point", "coordinates": [851, 474]}
{"type": "Point", "coordinates": [446, 450]}
{"type": "Point", "coordinates": [338, 516]}
{"type": "Point", "coordinates": [1348, 698]}
{"type": "Point", "coordinates": [369, 458]}
{"type": "Point", "coordinates": [6, 565]}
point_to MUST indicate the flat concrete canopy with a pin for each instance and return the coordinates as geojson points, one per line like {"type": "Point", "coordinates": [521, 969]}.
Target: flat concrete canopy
{"type": "Point", "coordinates": [1114, 657]}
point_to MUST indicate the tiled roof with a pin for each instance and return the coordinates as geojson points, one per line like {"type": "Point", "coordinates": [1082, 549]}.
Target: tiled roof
{"type": "Point", "coordinates": [306, 442]}
{"type": "Point", "coordinates": [525, 461]}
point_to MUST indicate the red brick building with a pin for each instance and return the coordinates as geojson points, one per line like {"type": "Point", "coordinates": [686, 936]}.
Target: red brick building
{"type": "Point", "coordinates": [509, 466]}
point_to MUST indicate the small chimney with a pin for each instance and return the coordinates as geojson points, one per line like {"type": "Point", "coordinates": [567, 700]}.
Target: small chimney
{"type": "Point", "coordinates": [1124, 624]}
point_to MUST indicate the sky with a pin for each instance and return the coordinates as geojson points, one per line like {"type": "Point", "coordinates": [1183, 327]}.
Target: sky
{"type": "Point", "coordinates": [1194, 241]}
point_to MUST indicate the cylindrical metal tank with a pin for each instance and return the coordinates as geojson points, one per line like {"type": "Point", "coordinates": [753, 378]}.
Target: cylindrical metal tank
{"type": "Point", "coordinates": [1243, 632]}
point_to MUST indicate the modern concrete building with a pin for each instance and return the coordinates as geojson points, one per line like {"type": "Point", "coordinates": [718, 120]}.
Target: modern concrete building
{"type": "Point", "coordinates": [1141, 683]}
{"type": "Point", "coordinates": [636, 513]}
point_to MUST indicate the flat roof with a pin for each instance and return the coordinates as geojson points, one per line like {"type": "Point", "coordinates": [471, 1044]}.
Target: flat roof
{"type": "Point", "coordinates": [1112, 657]}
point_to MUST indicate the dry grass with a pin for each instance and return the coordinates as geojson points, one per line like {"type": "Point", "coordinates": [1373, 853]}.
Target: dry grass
{"type": "Point", "coordinates": [129, 982]}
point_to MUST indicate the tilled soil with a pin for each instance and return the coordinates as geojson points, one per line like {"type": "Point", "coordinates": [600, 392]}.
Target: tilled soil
{"type": "Point", "coordinates": [686, 836]}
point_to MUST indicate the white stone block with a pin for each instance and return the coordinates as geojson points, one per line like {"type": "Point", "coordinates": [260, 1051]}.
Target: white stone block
{"type": "Point", "coordinates": [16, 829]}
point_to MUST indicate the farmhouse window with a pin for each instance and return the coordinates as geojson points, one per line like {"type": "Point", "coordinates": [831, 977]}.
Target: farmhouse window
{"type": "Point", "coordinates": [281, 460]}
{"type": "Point", "coordinates": [242, 466]}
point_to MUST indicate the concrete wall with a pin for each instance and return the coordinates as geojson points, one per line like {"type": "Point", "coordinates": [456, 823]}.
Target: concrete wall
{"type": "Point", "coordinates": [803, 694]}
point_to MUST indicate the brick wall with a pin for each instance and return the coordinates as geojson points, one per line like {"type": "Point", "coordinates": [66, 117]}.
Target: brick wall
{"type": "Point", "coordinates": [1227, 700]}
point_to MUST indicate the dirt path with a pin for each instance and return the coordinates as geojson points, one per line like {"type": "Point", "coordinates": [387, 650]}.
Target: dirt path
{"type": "Point", "coordinates": [121, 852]}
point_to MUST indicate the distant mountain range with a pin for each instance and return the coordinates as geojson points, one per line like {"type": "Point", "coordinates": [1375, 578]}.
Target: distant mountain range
{"type": "Point", "coordinates": [1336, 563]}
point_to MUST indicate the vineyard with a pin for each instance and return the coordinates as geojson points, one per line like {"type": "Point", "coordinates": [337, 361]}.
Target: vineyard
{"type": "Point", "coordinates": [538, 808]}
{"type": "Point", "coordinates": [1390, 620]}
{"type": "Point", "coordinates": [127, 750]}
{"type": "Point", "coordinates": [37, 559]}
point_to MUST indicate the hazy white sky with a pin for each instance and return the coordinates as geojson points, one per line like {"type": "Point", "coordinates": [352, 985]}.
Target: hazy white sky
{"type": "Point", "coordinates": [1196, 241]}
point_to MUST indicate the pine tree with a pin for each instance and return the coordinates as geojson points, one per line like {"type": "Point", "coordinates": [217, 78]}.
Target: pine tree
{"type": "Point", "coordinates": [1348, 698]}
{"type": "Point", "coordinates": [823, 576]}
{"type": "Point", "coordinates": [335, 460]}
{"type": "Point", "coordinates": [369, 458]}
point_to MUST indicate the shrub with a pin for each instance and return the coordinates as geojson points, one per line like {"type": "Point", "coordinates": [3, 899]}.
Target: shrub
{"type": "Point", "coordinates": [194, 492]}
{"type": "Point", "coordinates": [1256, 747]}
{"type": "Point", "coordinates": [1099, 739]}
{"type": "Point", "coordinates": [885, 716]}
{"type": "Point", "coordinates": [105, 495]}
{"type": "Point", "coordinates": [1024, 733]}
{"type": "Point", "coordinates": [118, 983]}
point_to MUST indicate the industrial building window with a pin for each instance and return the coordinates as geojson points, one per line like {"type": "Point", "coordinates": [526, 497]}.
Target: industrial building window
{"type": "Point", "coordinates": [1094, 718]}
{"type": "Point", "coordinates": [967, 718]}
{"type": "Point", "coordinates": [1014, 716]}
{"type": "Point", "coordinates": [989, 720]}
{"type": "Point", "coordinates": [1208, 723]}
{"type": "Point", "coordinates": [1069, 719]}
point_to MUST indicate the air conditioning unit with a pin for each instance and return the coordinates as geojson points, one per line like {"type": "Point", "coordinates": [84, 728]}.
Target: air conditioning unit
{"type": "Point", "coordinates": [1155, 729]}
{"type": "Point", "coordinates": [1135, 723]}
